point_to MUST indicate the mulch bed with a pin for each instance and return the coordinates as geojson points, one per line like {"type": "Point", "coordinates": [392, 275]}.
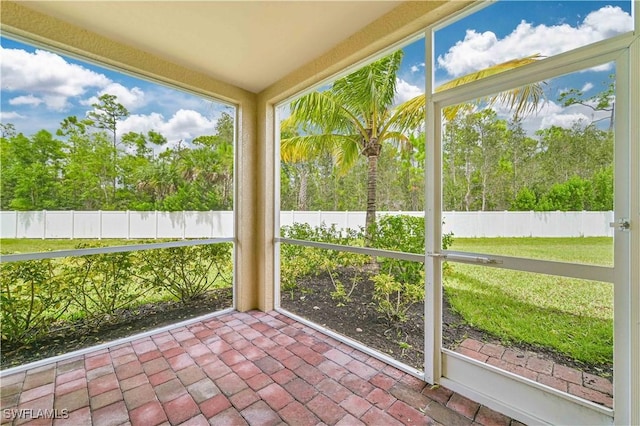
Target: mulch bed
{"type": "Point", "coordinates": [125, 322]}
{"type": "Point", "coordinates": [360, 321]}
{"type": "Point", "coordinates": [357, 319]}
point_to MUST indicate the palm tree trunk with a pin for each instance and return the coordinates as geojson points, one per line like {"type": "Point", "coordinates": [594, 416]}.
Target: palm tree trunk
{"type": "Point", "coordinates": [302, 192]}
{"type": "Point", "coordinates": [372, 176]}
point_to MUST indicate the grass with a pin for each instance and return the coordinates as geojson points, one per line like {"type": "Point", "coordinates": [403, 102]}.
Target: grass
{"type": "Point", "coordinates": [573, 316]}
{"type": "Point", "coordinates": [588, 250]}
{"type": "Point", "coordinates": [35, 245]}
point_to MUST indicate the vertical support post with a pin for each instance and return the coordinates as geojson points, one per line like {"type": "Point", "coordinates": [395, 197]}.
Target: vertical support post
{"type": "Point", "coordinates": [433, 226]}
{"type": "Point", "coordinates": [634, 183]}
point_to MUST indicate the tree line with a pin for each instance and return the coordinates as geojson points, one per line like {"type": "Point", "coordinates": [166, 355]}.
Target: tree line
{"type": "Point", "coordinates": [489, 164]}
{"type": "Point", "coordinates": [86, 165]}
{"type": "Point", "coordinates": [350, 148]}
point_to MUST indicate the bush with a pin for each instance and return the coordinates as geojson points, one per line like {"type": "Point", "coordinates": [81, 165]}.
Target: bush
{"type": "Point", "coordinates": [399, 284]}
{"type": "Point", "coordinates": [103, 283]}
{"type": "Point", "coordinates": [32, 299]}
{"type": "Point", "coordinates": [394, 298]}
{"type": "Point", "coordinates": [36, 294]}
{"type": "Point", "coordinates": [323, 233]}
{"type": "Point", "coordinates": [299, 261]}
{"type": "Point", "coordinates": [404, 234]}
{"type": "Point", "coordinates": [187, 273]}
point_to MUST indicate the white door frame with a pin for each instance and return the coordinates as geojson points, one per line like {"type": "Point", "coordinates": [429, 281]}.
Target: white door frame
{"type": "Point", "coordinates": [510, 394]}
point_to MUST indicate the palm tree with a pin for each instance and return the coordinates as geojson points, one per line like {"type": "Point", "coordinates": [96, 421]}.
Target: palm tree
{"type": "Point", "coordinates": [356, 117]}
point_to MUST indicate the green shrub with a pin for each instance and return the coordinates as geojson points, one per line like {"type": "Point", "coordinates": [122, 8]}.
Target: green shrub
{"type": "Point", "coordinates": [299, 261]}
{"type": "Point", "coordinates": [394, 298]}
{"type": "Point", "coordinates": [103, 283]}
{"type": "Point", "coordinates": [32, 297]}
{"type": "Point", "coordinates": [334, 261]}
{"type": "Point", "coordinates": [323, 233]}
{"type": "Point", "coordinates": [392, 232]}
{"type": "Point", "coordinates": [187, 273]}
{"type": "Point", "coordinates": [403, 234]}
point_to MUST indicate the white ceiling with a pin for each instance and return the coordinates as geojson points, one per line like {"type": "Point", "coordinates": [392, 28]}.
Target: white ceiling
{"type": "Point", "coordinates": [250, 44]}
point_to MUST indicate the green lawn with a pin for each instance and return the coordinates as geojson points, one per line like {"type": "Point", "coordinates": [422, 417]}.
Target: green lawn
{"type": "Point", "coordinates": [590, 250]}
{"type": "Point", "coordinates": [35, 245]}
{"type": "Point", "coordinates": [573, 316]}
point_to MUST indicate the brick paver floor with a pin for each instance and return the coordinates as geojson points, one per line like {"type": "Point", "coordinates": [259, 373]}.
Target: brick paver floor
{"type": "Point", "coordinates": [532, 366]}
{"type": "Point", "coordinates": [239, 368]}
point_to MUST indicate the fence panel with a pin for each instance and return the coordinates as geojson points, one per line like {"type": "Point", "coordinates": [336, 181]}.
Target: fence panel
{"type": "Point", "coordinates": [212, 224]}
{"type": "Point", "coordinates": [86, 224]}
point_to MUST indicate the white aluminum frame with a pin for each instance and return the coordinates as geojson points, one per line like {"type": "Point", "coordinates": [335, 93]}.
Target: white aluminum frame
{"type": "Point", "coordinates": [634, 201]}
{"type": "Point", "coordinates": [278, 240]}
{"type": "Point", "coordinates": [521, 398]}
{"type": "Point", "coordinates": [110, 249]}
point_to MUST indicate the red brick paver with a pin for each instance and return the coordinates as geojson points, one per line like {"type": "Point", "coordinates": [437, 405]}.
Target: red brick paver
{"type": "Point", "coordinates": [250, 368]}
{"type": "Point", "coordinates": [531, 366]}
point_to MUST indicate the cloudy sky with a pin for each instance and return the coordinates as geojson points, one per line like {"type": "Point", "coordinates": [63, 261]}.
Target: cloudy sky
{"type": "Point", "coordinates": [40, 88]}
{"type": "Point", "coordinates": [511, 29]}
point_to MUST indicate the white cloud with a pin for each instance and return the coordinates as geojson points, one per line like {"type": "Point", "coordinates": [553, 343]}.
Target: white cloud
{"type": "Point", "coordinates": [406, 91]}
{"type": "Point", "coordinates": [600, 68]}
{"type": "Point", "coordinates": [481, 50]}
{"type": "Point", "coordinates": [131, 99]}
{"type": "Point", "coordinates": [565, 120]}
{"type": "Point", "coordinates": [47, 74]}
{"type": "Point", "coordinates": [7, 116]}
{"type": "Point", "coordinates": [553, 114]}
{"type": "Point", "coordinates": [141, 123]}
{"type": "Point", "coordinates": [416, 68]}
{"type": "Point", "coordinates": [587, 86]}
{"type": "Point", "coordinates": [26, 100]}
{"type": "Point", "coordinates": [183, 125]}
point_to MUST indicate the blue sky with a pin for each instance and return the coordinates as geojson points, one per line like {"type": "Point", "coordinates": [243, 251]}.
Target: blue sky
{"type": "Point", "coordinates": [510, 29]}
{"type": "Point", "coordinates": [39, 89]}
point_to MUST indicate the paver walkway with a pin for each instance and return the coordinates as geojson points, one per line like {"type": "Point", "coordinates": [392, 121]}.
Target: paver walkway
{"type": "Point", "coordinates": [529, 365]}
{"type": "Point", "coordinates": [240, 368]}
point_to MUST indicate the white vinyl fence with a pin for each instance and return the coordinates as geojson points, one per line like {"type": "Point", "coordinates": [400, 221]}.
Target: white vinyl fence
{"type": "Point", "coordinates": [213, 224]}
{"type": "Point", "coordinates": [481, 224]}
{"type": "Point", "coordinates": [116, 224]}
